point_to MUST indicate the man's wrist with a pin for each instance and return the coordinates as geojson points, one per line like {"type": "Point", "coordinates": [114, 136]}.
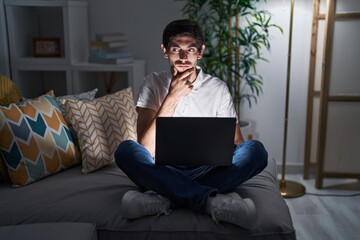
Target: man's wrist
{"type": "Point", "coordinates": [167, 109]}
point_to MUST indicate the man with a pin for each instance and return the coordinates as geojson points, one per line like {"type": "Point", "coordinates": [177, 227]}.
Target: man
{"type": "Point", "coordinates": [186, 91]}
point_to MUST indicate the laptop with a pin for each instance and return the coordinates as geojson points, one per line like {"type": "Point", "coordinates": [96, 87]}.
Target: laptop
{"type": "Point", "coordinates": [194, 141]}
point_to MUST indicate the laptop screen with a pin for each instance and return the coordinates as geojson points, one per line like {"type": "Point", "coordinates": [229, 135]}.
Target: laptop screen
{"type": "Point", "coordinates": [194, 141]}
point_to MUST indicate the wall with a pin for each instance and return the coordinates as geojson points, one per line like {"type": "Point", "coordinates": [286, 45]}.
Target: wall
{"type": "Point", "coordinates": [143, 22]}
{"type": "Point", "coordinates": [269, 113]}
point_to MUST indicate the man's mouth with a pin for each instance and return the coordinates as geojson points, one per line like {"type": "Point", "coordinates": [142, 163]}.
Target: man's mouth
{"type": "Point", "coordinates": [183, 65]}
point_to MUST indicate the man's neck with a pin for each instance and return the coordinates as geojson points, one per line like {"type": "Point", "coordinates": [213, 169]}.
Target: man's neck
{"type": "Point", "coordinates": [194, 75]}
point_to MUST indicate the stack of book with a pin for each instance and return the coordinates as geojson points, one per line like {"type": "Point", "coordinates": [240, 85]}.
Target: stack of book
{"type": "Point", "coordinates": [110, 48]}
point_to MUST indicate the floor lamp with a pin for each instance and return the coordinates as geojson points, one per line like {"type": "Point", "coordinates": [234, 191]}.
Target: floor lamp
{"type": "Point", "coordinates": [288, 188]}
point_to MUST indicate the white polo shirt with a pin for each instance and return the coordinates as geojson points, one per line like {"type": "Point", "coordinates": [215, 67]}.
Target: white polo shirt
{"type": "Point", "coordinates": [210, 96]}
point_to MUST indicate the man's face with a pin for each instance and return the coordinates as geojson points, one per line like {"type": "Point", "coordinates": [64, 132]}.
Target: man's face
{"type": "Point", "coordinates": [183, 53]}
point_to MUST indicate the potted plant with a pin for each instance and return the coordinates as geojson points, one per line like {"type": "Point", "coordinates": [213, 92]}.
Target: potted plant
{"type": "Point", "coordinates": [236, 32]}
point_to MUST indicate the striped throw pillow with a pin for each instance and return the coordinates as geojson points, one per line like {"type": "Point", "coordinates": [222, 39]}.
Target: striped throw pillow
{"type": "Point", "coordinates": [101, 125]}
{"type": "Point", "coordinates": [86, 96]}
{"type": "Point", "coordinates": [61, 100]}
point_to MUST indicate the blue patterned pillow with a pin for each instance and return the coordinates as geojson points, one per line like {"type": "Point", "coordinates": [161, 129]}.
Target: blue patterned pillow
{"type": "Point", "coordinates": [35, 140]}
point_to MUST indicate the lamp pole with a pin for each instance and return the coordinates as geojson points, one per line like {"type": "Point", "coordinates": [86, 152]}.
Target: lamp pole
{"type": "Point", "coordinates": [288, 188]}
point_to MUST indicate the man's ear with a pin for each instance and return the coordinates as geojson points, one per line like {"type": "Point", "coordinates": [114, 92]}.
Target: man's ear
{"type": "Point", "coordinates": [163, 48]}
{"type": "Point", "coordinates": [201, 52]}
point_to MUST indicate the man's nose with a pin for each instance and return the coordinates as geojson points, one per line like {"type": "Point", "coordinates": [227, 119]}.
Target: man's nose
{"type": "Point", "coordinates": [183, 54]}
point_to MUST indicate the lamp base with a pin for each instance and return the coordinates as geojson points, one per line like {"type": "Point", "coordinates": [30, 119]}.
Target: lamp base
{"type": "Point", "coordinates": [291, 189]}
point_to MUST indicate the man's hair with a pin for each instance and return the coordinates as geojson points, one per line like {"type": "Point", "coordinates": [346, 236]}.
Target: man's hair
{"type": "Point", "coordinates": [183, 27]}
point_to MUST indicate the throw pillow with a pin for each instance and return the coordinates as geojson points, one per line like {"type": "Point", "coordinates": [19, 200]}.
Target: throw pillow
{"type": "Point", "coordinates": [4, 176]}
{"type": "Point", "coordinates": [9, 93]}
{"type": "Point", "coordinates": [35, 140]}
{"type": "Point", "coordinates": [101, 125]}
{"type": "Point", "coordinates": [86, 96]}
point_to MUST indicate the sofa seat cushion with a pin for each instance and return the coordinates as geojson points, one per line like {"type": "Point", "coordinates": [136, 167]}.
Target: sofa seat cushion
{"type": "Point", "coordinates": [96, 197]}
{"type": "Point", "coordinates": [53, 231]}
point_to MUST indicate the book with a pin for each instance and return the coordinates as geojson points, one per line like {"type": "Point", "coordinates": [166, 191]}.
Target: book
{"type": "Point", "coordinates": [110, 53]}
{"type": "Point", "coordinates": [112, 49]}
{"type": "Point", "coordinates": [110, 44]}
{"type": "Point", "coordinates": [105, 55]}
{"type": "Point", "coordinates": [94, 59]}
{"type": "Point", "coordinates": [108, 37]}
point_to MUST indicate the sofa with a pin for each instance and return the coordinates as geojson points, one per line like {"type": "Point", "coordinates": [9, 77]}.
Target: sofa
{"type": "Point", "coordinates": [89, 188]}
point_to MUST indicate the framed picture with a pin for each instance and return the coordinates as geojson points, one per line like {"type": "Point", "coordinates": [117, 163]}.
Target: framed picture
{"type": "Point", "coordinates": [46, 47]}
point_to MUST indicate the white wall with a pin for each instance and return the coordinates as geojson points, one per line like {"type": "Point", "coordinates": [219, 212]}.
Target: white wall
{"type": "Point", "coordinates": [143, 22]}
{"type": "Point", "coordinates": [269, 113]}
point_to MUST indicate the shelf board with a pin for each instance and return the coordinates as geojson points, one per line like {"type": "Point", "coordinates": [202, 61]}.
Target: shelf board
{"type": "Point", "coordinates": [41, 61]}
{"type": "Point", "coordinates": [86, 66]}
{"type": "Point", "coordinates": [44, 3]}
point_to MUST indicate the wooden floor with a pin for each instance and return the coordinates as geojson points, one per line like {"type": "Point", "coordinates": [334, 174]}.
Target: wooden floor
{"type": "Point", "coordinates": [326, 217]}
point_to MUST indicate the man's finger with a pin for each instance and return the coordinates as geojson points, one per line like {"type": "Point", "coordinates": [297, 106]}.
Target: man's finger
{"type": "Point", "coordinates": [175, 72]}
{"type": "Point", "coordinates": [186, 74]}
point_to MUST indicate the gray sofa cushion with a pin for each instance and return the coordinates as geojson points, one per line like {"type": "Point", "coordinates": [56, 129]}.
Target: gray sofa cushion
{"type": "Point", "coordinates": [70, 196]}
{"type": "Point", "coordinates": [46, 231]}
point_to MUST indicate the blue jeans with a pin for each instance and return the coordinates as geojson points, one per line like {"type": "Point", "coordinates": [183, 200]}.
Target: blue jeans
{"type": "Point", "coordinates": [190, 186]}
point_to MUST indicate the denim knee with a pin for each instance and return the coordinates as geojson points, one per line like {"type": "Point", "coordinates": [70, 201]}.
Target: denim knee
{"type": "Point", "coordinates": [256, 152]}
{"type": "Point", "coordinates": [261, 153]}
{"type": "Point", "coordinates": [122, 150]}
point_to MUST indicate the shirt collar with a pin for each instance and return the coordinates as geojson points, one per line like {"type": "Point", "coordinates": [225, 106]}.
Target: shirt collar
{"type": "Point", "coordinates": [199, 79]}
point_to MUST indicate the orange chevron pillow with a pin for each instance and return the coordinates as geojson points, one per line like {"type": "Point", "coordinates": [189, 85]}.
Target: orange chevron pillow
{"type": "Point", "coordinates": [100, 125]}
{"type": "Point", "coordinates": [35, 140]}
